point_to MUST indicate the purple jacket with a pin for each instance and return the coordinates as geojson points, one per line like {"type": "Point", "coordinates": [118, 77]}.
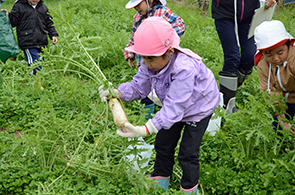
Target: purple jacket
{"type": "Point", "coordinates": [186, 88]}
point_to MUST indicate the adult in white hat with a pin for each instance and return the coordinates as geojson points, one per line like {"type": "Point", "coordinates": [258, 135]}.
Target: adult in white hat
{"type": "Point", "coordinates": [275, 60]}
{"type": "Point", "coordinates": [146, 9]}
{"type": "Point", "coordinates": [188, 92]}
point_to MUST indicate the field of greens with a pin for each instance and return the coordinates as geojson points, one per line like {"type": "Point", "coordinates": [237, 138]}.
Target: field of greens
{"type": "Point", "coordinates": [62, 139]}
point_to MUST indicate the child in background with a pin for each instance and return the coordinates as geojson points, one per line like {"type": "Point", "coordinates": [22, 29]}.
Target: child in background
{"type": "Point", "coordinates": [188, 92]}
{"type": "Point", "coordinates": [33, 23]}
{"type": "Point", "coordinates": [146, 9]}
{"type": "Point", "coordinates": [276, 69]}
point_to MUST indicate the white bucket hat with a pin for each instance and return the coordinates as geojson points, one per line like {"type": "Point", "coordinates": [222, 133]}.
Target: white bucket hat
{"type": "Point", "coordinates": [133, 3]}
{"type": "Point", "coordinates": [270, 35]}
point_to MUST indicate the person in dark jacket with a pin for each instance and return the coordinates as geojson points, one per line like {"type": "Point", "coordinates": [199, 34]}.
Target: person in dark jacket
{"type": "Point", "coordinates": [232, 22]}
{"type": "Point", "coordinates": [33, 24]}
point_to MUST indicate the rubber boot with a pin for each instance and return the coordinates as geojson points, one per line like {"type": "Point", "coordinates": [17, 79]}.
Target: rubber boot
{"type": "Point", "coordinates": [162, 182]}
{"type": "Point", "coordinates": [193, 190]}
{"type": "Point", "coordinates": [228, 87]}
{"type": "Point", "coordinates": [243, 75]}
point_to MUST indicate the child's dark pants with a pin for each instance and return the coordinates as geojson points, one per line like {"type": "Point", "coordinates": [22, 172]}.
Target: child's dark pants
{"type": "Point", "coordinates": [31, 56]}
{"type": "Point", "coordinates": [188, 156]}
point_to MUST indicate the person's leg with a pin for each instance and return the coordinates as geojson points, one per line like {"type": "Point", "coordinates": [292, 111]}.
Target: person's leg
{"type": "Point", "coordinates": [165, 144]}
{"type": "Point", "coordinates": [31, 56]}
{"type": "Point", "coordinates": [189, 153]}
{"type": "Point", "coordinates": [231, 51]}
{"type": "Point", "coordinates": [248, 50]}
{"type": "Point", "coordinates": [228, 77]}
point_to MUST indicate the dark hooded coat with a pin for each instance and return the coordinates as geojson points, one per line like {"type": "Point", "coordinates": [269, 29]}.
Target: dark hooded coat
{"type": "Point", "coordinates": [32, 24]}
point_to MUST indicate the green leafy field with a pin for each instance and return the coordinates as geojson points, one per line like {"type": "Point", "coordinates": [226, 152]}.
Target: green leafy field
{"type": "Point", "coordinates": [61, 140]}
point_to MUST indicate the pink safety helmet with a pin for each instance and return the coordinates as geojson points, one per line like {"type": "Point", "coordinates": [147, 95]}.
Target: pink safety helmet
{"type": "Point", "coordinates": [270, 35]}
{"type": "Point", "coordinates": [154, 37]}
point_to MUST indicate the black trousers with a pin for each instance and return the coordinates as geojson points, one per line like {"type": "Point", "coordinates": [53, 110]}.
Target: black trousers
{"type": "Point", "coordinates": [188, 156]}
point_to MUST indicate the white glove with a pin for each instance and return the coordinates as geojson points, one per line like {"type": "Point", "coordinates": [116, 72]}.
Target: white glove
{"type": "Point", "coordinates": [138, 131]}
{"type": "Point", "coordinates": [103, 94]}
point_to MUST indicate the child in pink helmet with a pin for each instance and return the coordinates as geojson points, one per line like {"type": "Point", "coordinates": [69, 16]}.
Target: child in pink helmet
{"type": "Point", "coordinates": [276, 69]}
{"type": "Point", "coordinates": [146, 9]}
{"type": "Point", "coordinates": [188, 92]}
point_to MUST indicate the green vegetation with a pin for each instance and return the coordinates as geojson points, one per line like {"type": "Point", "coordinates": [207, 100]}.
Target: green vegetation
{"type": "Point", "coordinates": [61, 140]}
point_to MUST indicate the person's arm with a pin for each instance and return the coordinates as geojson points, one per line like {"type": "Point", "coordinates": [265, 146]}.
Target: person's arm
{"type": "Point", "coordinates": [138, 88]}
{"type": "Point", "coordinates": [14, 15]}
{"type": "Point", "coordinates": [50, 27]}
{"type": "Point", "coordinates": [130, 57]}
{"type": "Point", "coordinates": [281, 119]}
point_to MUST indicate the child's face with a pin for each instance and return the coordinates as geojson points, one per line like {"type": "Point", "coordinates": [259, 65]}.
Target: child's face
{"type": "Point", "coordinates": [33, 2]}
{"type": "Point", "coordinates": [276, 56]}
{"type": "Point", "coordinates": [157, 63]}
{"type": "Point", "coordinates": [142, 8]}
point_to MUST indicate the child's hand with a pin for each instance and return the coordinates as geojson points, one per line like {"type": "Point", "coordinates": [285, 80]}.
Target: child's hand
{"type": "Point", "coordinates": [285, 125]}
{"type": "Point", "coordinates": [130, 62]}
{"type": "Point", "coordinates": [54, 40]}
{"type": "Point", "coordinates": [292, 130]}
{"type": "Point", "coordinates": [5, 11]}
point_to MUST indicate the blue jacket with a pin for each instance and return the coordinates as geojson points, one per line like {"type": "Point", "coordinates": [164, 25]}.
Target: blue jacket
{"type": "Point", "coordinates": [186, 88]}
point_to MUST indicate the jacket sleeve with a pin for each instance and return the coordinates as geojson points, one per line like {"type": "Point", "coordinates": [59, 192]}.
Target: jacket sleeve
{"type": "Point", "coordinates": [138, 88]}
{"type": "Point", "coordinates": [14, 15]}
{"type": "Point", "coordinates": [131, 39]}
{"type": "Point", "coordinates": [49, 24]}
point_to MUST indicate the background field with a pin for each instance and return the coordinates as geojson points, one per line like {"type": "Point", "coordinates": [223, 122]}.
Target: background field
{"type": "Point", "coordinates": [61, 140]}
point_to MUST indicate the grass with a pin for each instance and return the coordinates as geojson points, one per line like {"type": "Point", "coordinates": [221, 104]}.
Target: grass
{"type": "Point", "coordinates": [68, 144]}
